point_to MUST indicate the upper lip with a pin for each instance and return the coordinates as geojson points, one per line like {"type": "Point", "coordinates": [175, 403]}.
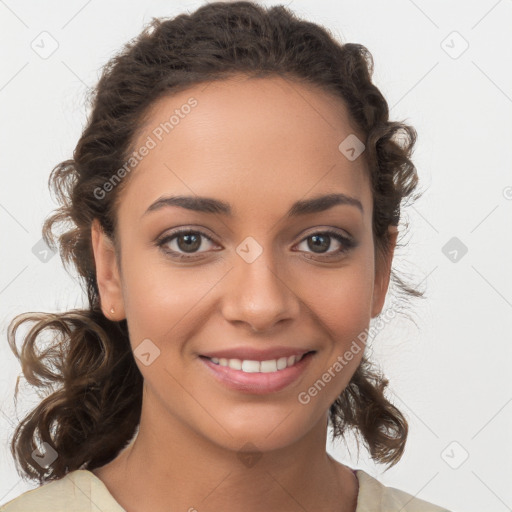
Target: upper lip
{"type": "Point", "coordinates": [256, 354]}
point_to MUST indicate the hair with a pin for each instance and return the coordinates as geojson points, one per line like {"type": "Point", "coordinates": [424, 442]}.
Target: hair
{"type": "Point", "coordinates": [92, 385]}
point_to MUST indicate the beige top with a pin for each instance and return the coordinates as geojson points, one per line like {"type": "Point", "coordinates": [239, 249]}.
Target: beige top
{"type": "Point", "coordinates": [82, 491]}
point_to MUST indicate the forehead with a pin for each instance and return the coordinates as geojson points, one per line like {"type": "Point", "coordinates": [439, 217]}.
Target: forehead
{"type": "Point", "coordinates": [261, 140]}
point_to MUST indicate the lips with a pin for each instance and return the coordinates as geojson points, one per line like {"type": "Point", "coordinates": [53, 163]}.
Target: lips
{"type": "Point", "coordinates": [257, 370]}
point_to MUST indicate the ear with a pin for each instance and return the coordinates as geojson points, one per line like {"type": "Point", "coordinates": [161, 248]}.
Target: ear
{"type": "Point", "coordinates": [383, 273]}
{"type": "Point", "coordinates": [107, 273]}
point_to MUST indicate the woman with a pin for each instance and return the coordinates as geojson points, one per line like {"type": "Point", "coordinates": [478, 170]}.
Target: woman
{"type": "Point", "coordinates": [235, 199]}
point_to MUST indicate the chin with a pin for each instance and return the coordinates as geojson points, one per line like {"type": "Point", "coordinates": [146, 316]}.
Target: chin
{"type": "Point", "coordinates": [264, 431]}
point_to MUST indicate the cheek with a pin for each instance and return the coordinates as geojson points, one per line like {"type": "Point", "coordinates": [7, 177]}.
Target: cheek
{"type": "Point", "coordinates": [342, 304]}
{"type": "Point", "coordinates": [342, 299]}
{"type": "Point", "coordinates": [158, 297]}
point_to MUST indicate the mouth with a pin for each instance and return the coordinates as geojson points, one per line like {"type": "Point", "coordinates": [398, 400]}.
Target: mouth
{"type": "Point", "coordinates": [258, 376]}
{"type": "Point", "coordinates": [254, 366]}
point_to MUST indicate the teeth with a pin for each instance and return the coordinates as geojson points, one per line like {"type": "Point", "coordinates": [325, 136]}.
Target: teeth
{"type": "Point", "coordinates": [236, 364]}
{"type": "Point", "coordinates": [282, 363]}
{"type": "Point", "coordinates": [249, 366]}
{"type": "Point", "coordinates": [268, 366]}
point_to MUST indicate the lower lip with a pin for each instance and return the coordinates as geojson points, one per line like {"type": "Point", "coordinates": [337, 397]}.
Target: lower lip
{"type": "Point", "coordinates": [257, 382]}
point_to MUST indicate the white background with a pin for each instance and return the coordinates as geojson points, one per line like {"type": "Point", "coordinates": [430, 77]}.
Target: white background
{"type": "Point", "coordinates": [450, 374]}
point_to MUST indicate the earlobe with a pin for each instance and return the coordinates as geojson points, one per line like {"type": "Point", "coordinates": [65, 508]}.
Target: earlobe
{"type": "Point", "coordinates": [383, 273]}
{"type": "Point", "coordinates": [107, 273]}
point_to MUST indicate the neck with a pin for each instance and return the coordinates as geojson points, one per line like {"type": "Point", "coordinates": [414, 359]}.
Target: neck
{"type": "Point", "coordinates": [189, 472]}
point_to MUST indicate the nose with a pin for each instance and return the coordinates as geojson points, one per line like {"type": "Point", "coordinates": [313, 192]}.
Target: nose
{"type": "Point", "coordinates": [260, 295]}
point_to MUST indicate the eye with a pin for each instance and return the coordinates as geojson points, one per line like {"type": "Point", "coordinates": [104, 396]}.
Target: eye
{"type": "Point", "coordinates": [321, 242]}
{"type": "Point", "coordinates": [187, 240]}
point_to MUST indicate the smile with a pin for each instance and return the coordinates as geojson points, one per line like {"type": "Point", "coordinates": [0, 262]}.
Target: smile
{"type": "Point", "coordinates": [248, 366]}
{"type": "Point", "coordinates": [257, 377]}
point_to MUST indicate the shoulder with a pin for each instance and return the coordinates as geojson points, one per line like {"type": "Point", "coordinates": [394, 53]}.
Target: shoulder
{"type": "Point", "coordinates": [376, 497]}
{"type": "Point", "coordinates": [81, 490]}
{"type": "Point", "coordinates": [78, 491]}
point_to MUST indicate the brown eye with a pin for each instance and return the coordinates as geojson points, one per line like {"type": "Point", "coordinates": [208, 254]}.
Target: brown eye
{"type": "Point", "coordinates": [191, 241]}
{"type": "Point", "coordinates": [186, 242]}
{"type": "Point", "coordinates": [319, 243]}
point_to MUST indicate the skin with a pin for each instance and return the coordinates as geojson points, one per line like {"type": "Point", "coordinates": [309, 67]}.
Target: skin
{"type": "Point", "coordinates": [260, 145]}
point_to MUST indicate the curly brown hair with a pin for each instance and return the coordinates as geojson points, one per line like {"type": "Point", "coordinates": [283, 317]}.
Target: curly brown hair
{"type": "Point", "coordinates": [92, 384]}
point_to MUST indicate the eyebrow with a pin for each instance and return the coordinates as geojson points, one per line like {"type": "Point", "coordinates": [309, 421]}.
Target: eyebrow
{"type": "Point", "coordinates": [210, 205]}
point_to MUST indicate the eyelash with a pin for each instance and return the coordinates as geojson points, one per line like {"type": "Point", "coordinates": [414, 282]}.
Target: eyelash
{"type": "Point", "coordinates": [347, 243]}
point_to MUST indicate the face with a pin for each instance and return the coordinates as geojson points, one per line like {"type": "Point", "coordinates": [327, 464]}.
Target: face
{"type": "Point", "coordinates": [254, 279]}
